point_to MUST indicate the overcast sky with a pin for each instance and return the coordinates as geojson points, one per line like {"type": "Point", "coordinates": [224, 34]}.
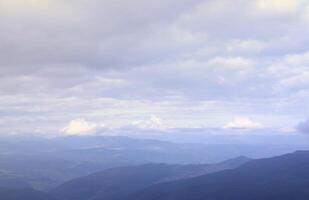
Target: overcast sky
{"type": "Point", "coordinates": [75, 65]}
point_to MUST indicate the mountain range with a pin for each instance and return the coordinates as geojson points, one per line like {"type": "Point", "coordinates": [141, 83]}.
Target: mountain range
{"type": "Point", "coordinates": [282, 177]}
{"type": "Point", "coordinates": [45, 163]}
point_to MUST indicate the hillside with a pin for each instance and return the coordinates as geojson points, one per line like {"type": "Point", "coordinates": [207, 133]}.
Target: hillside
{"type": "Point", "coordinates": [24, 194]}
{"type": "Point", "coordinates": [279, 178]}
{"type": "Point", "coordinates": [119, 182]}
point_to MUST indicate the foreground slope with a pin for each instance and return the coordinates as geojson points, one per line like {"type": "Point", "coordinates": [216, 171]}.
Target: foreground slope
{"type": "Point", "coordinates": [119, 182]}
{"type": "Point", "coordinates": [24, 194]}
{"type": "Point", "coordinates": [279, 178]}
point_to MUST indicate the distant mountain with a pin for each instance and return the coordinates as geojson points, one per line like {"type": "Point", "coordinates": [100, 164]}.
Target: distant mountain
{"type": "Point", "coordinates": [119, 182]}
{"type": "Point", "coordinates": [279, 178]}
{"type": "Point", "coordinates": [23, 194]}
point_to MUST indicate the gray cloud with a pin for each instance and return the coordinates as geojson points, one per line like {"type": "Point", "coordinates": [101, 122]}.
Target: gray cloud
{"type": "Point", "coordinates": [303, 127]}
{"type": "Point", "coordinates": [76, 31]}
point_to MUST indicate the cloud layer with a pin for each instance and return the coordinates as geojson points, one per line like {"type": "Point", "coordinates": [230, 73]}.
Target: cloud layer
{"type": "Point", "coordinates": [193, 63]}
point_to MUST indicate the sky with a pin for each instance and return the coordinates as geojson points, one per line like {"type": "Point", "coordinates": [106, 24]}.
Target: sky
{"type": "Point", "coordinates": [80, 66]}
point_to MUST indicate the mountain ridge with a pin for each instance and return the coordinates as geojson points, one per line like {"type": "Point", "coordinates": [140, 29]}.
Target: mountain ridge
{"type": "Point", "coordinates": [118, 182]}
{"type": "Point", "coordinates": [283, 177]}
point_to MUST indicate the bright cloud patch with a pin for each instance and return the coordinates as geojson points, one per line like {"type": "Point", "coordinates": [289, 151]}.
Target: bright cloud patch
{"type": "Point", "coordinates": [80, 127]}
{"type": "Point", "coordinates": [153, 123]}
{"type": "Point", "coordinates": [278, 5]}
{"type": "Point", "coordinates": [243, 123]}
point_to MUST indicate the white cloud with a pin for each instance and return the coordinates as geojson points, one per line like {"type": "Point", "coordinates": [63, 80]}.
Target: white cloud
{"type": "Point", "coordinates": [242, 123]}
{"type": "Point", "coordinates": [153, 122]}
{"type": "Point", "coordinates": [278, 6]}
{"type": "Point", "coordinates": [246, 46]}
{"type": "Point", "coordinates": [290, 73]}
{"type": "Point", "coordinates": [237, 63]}
{"type": "Point", "coordinates": [80, 127]}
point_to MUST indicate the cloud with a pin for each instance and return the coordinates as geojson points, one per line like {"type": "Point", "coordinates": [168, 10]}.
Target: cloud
{"type": "Point", "coordinates": [54, 31]}
{"type": "Point", "coordinates": [242, 123]}
{"type": "Point", "coordinates": [80, 127]}
{"type": "Point", "coordinates": [290, 74]}
{"type": "Point", "coordinates": [62, 59]}
{"type": "Point", "coordinates": [303, 127]}
{"type": "Point", "coordinates": [153, 122]}
{"type": "Point", "coordinates": [246, 46]}
{"type": "Point", "coordinates": [281, 6]}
